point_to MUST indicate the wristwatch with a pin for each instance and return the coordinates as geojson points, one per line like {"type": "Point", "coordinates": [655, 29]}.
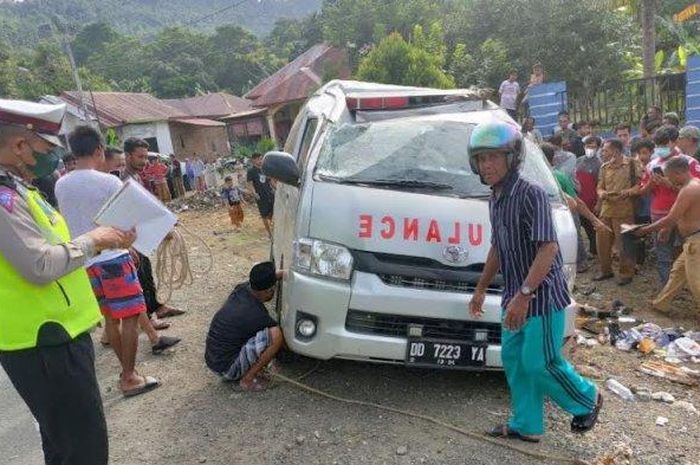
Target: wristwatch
{"type": "Point", "coordinates": [527, 291]}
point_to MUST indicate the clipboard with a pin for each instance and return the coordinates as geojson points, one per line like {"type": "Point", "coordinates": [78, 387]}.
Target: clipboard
{"type": "Point", "coordinates": [133, 206]}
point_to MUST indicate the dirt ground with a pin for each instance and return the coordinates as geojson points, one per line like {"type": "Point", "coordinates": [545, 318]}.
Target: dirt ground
{"type": "Point", "coordinates": [195, 418]}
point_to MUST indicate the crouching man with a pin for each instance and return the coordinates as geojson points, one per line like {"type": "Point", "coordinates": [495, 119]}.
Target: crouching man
{"type": "Point", "coordinates": [242, 337]}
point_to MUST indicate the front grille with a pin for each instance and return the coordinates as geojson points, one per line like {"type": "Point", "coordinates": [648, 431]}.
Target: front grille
{"type": "Point", "coordinates": [381, 324]}
{"type": "Point", "coordinates": [435, 284]}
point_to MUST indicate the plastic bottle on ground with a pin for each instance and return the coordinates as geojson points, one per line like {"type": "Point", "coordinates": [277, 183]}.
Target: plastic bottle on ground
{"type": "Point", "coordinates": [620, 389]}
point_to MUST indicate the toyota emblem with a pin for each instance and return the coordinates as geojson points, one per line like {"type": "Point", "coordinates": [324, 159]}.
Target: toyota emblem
{"type": "Point", "coordinates": [454, 254]}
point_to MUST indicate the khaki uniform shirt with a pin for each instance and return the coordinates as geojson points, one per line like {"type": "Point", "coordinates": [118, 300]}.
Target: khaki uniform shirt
{"type": "Point", "coordinates": [23, 245]}
{"type": "Point", "coordinates": [614, 178]}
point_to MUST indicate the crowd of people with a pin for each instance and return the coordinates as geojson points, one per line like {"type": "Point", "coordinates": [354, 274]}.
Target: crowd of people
{"type": "Point", "coordinates": [616, 182]}
{"type": "Point", "coordinates": [610, 183]}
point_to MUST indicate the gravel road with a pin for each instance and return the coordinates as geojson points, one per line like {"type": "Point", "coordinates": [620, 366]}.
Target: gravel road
{"type": "Point", "coordinates": [194, 418]}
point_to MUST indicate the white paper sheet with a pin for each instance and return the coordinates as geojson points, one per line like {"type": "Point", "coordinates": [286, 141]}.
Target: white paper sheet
{"type": "Point", "coordinates": [134, 207]}
{"type": "Point", "coordinates": [629, 228]}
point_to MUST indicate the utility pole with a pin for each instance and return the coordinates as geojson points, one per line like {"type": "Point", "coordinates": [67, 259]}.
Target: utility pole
{"type": "Point", "coordinates": [73, 67]}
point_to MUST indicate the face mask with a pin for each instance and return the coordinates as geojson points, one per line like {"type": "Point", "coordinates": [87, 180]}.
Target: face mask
{"type": "Point", "coordinates": [662, 152]}
{"type": "Point", "coordinates": [46, 163]}
{"type": "Point", "coordinates": [590, 153]}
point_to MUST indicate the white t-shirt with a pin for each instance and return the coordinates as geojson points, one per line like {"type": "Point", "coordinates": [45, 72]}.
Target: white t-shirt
{"type": "Point", "coordinates": [509, 94]}
{"type": "Point", "coordinates": [81, 194]}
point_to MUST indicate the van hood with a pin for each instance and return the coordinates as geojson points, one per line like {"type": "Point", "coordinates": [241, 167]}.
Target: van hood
{"type": "Point", "coordinates": [402, 223]}
{"type": "Point", "coordinates": [452, 231]}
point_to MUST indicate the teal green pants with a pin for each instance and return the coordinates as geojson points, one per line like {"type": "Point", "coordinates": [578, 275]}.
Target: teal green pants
{"type": "Point", "coordinates": [535, 368]}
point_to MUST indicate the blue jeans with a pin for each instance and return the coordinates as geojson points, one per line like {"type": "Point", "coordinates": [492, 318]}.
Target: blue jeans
{"type": "Point", "coordinates": [665, 252]}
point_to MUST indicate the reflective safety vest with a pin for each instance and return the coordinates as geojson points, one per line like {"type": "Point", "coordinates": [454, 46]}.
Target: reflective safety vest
{"type": "Point", "coordinates": [60, 310]}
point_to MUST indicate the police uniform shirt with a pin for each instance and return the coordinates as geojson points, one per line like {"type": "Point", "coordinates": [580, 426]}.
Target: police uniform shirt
{"type": "Point", "coordinates": [23, 244]}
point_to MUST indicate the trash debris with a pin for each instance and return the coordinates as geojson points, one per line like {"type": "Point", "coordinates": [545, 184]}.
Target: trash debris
{"type": "Point", "coordinates": [586, 341]}
{"type": "Point", "coordinates": [619, 308]}
{"type": "Point", "coordinates": [683, 348]}
{"type": "Point", "coordinates": [642, 393]}
{"type": "Point", "coordinates": [621, 455]}
{"type": "Point", "coordinates": [663, 396]}
{"type": "Point", "coordinates": [661, 421]}
{"type": "Point", "coordinates": [198, 201]}
{"type": "Point", "coordinates": [685, 405]}
{"type": "Point", "coordinates": [646, 345]}
{"type": "Point", "coordinates": [587, 291]}
{"type": "Point", "coordinates": [620, 389]}
{"type": "Point", "coordinates": [668, 371]}
{"type": "Point", "coordinates": [627, 340]}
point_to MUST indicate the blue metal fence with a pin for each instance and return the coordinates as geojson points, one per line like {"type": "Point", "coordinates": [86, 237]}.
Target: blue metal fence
{"type": "Point", "coordinates": [546, 101]}
{"type": "Point", "coordinates": [692, 92]}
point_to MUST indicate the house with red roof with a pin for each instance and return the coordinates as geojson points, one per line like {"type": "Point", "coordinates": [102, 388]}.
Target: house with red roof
{"type": "Point", "coordinates": [281, 95]}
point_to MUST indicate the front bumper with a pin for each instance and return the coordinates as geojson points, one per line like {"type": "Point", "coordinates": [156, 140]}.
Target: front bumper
{"type": "Point", "coordinates": [328, 302]}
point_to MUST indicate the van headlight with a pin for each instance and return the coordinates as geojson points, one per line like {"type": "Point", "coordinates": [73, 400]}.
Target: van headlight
{"type": "Point", "coordinates": [570, 275]}
{"type": "Point", "coordinates": [322, 259]}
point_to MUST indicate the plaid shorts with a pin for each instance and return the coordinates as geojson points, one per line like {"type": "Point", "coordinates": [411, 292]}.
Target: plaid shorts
{"type": "Point", "coordinates": [117, 287]}
{"type": "Point", "coordinates": [249, 354]}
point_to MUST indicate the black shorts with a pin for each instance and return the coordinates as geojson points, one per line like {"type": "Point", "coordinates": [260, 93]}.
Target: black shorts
{"type": "Point", "coordinates": [266, 208]}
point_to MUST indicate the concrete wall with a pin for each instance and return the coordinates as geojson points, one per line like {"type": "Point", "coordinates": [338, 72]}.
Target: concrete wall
{"type": "Point", "coordinates": [209, 143]}
{"type": "Point", "coordinates": [158, 130]}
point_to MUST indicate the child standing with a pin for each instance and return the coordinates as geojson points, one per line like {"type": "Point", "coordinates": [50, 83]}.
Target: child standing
{"type": "Point", "coordinates": [232, 197]}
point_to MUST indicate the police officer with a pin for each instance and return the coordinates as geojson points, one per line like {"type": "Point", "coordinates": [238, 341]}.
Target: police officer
{"type": "Point", "coordinates": [47, 306]}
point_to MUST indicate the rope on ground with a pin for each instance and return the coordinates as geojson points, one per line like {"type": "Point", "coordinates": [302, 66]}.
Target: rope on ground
{"type": "Point", "coordinates": [173, 269]}
{"type": "Point", "coordinates": [451, 427]}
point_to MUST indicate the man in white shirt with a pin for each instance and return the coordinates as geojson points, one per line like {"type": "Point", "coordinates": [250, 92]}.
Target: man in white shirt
{"type": "Point", "coordinates": [508, 92]}
{"type": "Point", "coordinates": [81, 194]}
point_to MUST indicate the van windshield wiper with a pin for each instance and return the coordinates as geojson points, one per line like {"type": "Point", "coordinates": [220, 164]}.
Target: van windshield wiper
{"type": "Point", "coordinates": [407, 183]}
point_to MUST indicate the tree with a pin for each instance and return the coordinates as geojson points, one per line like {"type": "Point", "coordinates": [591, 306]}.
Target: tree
{"type": "Point", "coordinates": [359, 24]}
{"type": "Point", "coordinates": [124, 64]}
{"type": "Point", "coordinates": [645, 10]}
{"type": "Point", "coordinates": [92, 39]}
{"type": "Point", "coordinates": [395, 61]}
{"type": "Point", "coordinates": [582, 43]}
{"type": "Point", "coordinates": [238, 60]}
{"type": "Point", "coordinates": [290, 38]}
{"type": "Point", "coordinates": [177, 63]}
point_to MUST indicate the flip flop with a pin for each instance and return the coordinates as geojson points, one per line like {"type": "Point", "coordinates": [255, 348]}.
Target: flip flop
{"type": "Point", "coordinates": [159, 325]}
{"type": "Point", "coordinates": [167, 312]}
{"type": "Point", "coordinates": [503, 431]}
{"type": "Point", "coordinates": [149, 384]}
{"type": "Point", "coordinates": [585, 423]}
{"type": "Point", "coordinates": [163, 343]}
{"type": "Point", "coordinates": [258, 385]}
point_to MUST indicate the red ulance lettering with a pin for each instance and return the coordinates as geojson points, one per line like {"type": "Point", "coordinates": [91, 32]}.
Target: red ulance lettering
{"type": "Point", "coordinates": [390, 227]}
{"type": "Point", "coordinates": [365, 227]}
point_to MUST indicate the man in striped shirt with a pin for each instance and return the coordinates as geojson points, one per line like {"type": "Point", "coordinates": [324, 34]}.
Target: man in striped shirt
{"type": "Point", "coordinates": [524, 247]}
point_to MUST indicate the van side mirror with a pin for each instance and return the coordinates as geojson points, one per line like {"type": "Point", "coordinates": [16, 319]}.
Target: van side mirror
{"type": "Point", "coordinates": [281, 166]}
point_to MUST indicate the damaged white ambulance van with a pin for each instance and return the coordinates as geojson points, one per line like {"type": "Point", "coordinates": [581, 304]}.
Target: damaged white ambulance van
{"type": "Point", "coordinates": [384, 229]}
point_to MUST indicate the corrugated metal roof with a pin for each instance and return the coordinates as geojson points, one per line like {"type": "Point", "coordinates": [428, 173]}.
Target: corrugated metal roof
{"type": "Point", "coordinates": [198, 122]}
{"type": "Point", "coordinates": [301, 77]}
{"type": "Point", "coordinates": [118, 108]}
{"type": "Point", "coordinates": [213, 105]}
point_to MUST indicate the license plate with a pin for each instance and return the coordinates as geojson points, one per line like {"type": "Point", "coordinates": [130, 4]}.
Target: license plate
{"type": "Point", "coordinates": [438, 353]}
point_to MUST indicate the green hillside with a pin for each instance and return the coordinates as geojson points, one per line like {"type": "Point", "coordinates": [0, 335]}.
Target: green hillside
{"type": "Point", "coordinates": [25, 23]}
